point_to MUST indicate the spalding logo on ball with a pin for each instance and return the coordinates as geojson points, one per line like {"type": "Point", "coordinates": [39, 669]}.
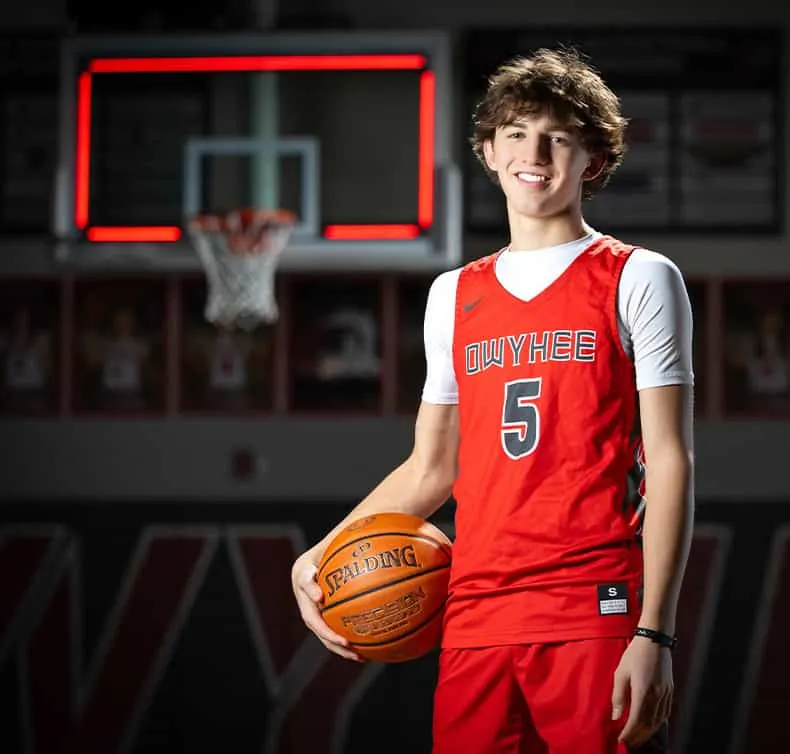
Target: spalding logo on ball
{"type": "Point", "coordinates": [384, 580]}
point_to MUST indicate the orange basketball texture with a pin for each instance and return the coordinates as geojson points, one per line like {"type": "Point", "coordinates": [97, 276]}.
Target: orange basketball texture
{"type": "Point", "coordinates": [384, 580]}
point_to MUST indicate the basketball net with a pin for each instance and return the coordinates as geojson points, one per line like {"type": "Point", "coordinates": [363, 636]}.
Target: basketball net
{"type": "Point", "coordinates": [239, 252]}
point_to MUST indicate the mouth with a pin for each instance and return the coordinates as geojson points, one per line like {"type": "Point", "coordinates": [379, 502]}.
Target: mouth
{"type": "Point", "coordinates": [532, 179]}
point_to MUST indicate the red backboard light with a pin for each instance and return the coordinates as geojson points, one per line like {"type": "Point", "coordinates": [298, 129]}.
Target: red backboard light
{"type": "Point", "coordinates": [139, 234]}
{"type": "Point", "coordinates": [371, 232]}
{"type": "Point", "coordinates": [203, 64]}
{"type": "Point", "coordinates": [259, 63]}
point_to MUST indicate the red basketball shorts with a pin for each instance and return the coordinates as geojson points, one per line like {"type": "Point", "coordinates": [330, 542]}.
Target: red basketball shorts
{"type": "Point", "coordinates": [531, 699]}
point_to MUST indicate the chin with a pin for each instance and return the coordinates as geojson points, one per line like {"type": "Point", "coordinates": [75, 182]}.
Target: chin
{"type": "Point", "coordinates": [538, 208]}
{"type": "Point", "coordinates": [537, 211]}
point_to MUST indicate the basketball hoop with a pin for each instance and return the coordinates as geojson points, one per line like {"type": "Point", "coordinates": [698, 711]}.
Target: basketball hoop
{"type": "Point", "coordinates": [239, 252]}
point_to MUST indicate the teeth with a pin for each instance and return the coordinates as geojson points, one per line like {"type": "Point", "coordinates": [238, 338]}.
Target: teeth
{"type": "Point", "coordinates": [531, 178]}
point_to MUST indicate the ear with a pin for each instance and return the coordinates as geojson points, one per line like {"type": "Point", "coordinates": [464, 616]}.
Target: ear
{"type": "Point", "coordinates": [488, 153]}
{"type": "Point", "coordinates": [594, 167]}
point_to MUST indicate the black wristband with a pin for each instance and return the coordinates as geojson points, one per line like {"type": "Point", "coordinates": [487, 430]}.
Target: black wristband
{"type": "Point", "coordinates": [657, 637]}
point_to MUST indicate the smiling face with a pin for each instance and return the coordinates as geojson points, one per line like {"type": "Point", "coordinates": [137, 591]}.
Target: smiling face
{"type": "Point", "coordinates": [541, 165]}
{"type": "Point", "coordinates": [523, 92]}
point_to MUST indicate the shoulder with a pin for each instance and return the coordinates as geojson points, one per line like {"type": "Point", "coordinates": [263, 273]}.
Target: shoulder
{"type": "Point", "coordinates": [443, 288]}
{"type": "Point", "coordinates": [446, 283]}
{"type": "Point", "coordinates": [653, 301]}
{"type": "Point", "coordinates": [646, 269]}
{"type": "Point", "coordinates": [635, 256]}
{"type": "Point", "coordinates": [480, 265]}
{"type": "Point", "coordinates": [651, 260]}
{"type": "Point", "coordinates": [440, 306]}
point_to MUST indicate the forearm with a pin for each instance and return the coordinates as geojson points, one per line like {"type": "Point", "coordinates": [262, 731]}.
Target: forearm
{"type": "Point", "coordinates": [421, 483]}
{"type": "Point", "coordinates": [667, 534]}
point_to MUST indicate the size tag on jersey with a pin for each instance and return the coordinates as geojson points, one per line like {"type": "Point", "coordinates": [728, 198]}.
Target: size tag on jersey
{"type": "Point", "coordinates": [613, 599]}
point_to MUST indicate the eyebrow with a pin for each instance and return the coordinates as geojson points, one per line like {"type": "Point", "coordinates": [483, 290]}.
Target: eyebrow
{"type": "Point", "coordinates": [553, 126]}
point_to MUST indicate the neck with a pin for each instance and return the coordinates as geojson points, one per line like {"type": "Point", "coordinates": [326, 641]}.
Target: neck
{"type": "Point", "coordinates": [530, 233]}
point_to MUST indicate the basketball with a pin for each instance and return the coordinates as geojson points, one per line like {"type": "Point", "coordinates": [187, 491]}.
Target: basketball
{"type": "Point", "coordinates": [384, 580]}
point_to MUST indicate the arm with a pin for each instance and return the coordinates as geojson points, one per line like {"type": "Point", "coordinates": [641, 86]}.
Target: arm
{"type": "Point", "coordinates": [655, 312]}
{"type": "Point", "coordinates": [644, 676]}
{"type": "Point", "coordinates": [424, 480]}
{"type": "Point", "coordinates": [667, 416]}
{"type": "Point", "coordinates": [422, 483]}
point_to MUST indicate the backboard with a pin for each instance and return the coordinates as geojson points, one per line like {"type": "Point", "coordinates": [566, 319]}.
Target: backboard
{"type": "Point", "coordinates": [351, 132]}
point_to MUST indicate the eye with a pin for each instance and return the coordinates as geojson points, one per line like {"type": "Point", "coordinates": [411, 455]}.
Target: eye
{"type": "Point", "coordinates": [561, 139]}
{"type": "Point", "coordinates": [515, 135]}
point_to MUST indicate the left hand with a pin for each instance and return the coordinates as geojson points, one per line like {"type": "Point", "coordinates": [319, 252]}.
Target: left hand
{"type": "Point", "coordinates": [643, 680]}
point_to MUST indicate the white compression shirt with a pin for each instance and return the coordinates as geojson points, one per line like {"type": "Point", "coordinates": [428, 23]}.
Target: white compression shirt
{"type": "Point", "coordinates": [653, 314]}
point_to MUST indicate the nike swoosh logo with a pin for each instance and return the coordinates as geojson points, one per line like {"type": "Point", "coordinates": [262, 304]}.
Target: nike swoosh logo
{"type": "Point", "coordinates": [472, 304]}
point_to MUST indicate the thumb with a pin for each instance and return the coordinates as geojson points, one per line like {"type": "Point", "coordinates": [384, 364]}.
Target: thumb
{"type": "Point", "coordinates": [310, 585]}
{"type": "Point", "coordinates": [313, 591]}
{"type": "Point", "coordinates": [619, 695]}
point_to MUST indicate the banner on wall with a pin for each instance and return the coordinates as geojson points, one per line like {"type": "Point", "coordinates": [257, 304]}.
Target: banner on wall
{"type": "Point", "coordinates": [130, 627]}
{"type": "Point", "coordinates": [29, 71]}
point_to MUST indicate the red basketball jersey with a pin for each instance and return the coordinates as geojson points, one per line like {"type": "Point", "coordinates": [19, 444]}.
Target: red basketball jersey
{"type": "Point", "coordinates": [545, 547]}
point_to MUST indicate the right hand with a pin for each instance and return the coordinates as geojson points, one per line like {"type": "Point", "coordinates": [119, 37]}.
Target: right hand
{"type": "Point", "coordinates": [308, 598]}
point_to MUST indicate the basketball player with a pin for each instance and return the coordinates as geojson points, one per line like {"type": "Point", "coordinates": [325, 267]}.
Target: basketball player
{"type": "Point", "coordinates": [764, 356]}
{"type": "Point", "coordinates": [121, 356]}
{"type": "Point", "coordinates": [27, 356]}
{"type": "Point", "coordinates": [221, 357]}
{"type": "Point", "coordinates": [547, 362]}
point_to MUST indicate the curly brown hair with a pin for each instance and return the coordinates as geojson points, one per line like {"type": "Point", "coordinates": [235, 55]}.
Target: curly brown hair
{"type": "Point", "coordinates": [564, 83]}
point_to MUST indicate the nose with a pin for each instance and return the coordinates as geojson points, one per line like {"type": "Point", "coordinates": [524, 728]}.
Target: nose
{"type": "Point", "coordinates": [535, 149]}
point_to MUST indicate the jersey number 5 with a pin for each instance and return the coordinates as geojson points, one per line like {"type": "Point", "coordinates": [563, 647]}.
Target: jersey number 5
{"type": "Point", "coordinates": [520, 418]}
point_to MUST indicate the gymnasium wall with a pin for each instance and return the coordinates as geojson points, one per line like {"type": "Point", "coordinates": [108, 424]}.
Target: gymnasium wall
{"type": "Point", "coordinates": [144, 598]}
{"type": "Point", "coordinates": [171, 627]}
{"type": "Point", "coordinates": [176, 456]}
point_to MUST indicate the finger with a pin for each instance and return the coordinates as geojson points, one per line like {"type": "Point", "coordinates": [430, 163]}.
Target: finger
{"type": "Point", "coordinates": [318, 626]}
{"type": "Point", "coordinates": [619, 695]}
{"type": "Point", "coordinates": [308, 597]}
{"type": "Point", "coordinates": [636, 735]}
{"type": "Point", "coordinates": [634, 716]}
{"type": "Point", "coordinates": [311, 616]}
{"type": "Point", "coordinates": [332, 641]}
{"type": "Point", "coordinates": [306, 578]}
{"type": "Point", "coordinates": [313, 591]}
{"type": "Point", "coordinates": [644, 726]}
{"type": "Point", "coordinates": [326, 634]}
{"type": "Point", "coordinates": [640, 736]}
{"type": "Point", "coordinates": [347, 654]}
